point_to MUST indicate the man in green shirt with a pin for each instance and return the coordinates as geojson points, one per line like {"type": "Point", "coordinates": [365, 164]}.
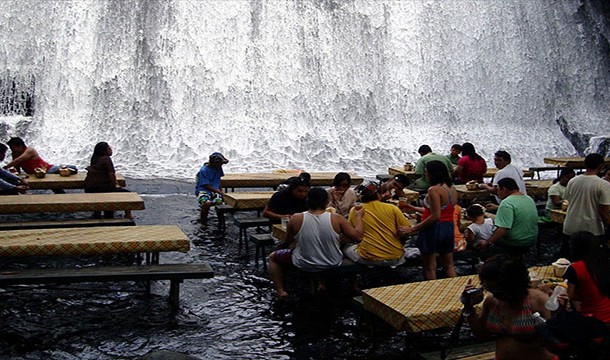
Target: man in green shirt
{"type": "Point", "coordinates": [421, 184]}
{"type": "Point", "coordinates": [454, 153]}
{"type": "Point", "coordinates": [516, 222]}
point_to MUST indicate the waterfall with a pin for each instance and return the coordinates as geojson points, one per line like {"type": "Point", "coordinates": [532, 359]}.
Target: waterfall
{"type": "Point", "coordinates": [311, 84]}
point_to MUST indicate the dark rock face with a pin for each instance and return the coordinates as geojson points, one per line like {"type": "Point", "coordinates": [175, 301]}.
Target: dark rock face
{"type": "Point", "coordinates": [585, 143]}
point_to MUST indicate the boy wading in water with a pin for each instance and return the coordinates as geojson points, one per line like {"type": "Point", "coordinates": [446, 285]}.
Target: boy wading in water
{"type": "Point", "coordinates": [207, 189]}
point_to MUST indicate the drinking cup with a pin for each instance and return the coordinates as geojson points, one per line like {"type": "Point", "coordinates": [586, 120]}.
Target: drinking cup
{"type": "Point", "coordinates": [403, 201]}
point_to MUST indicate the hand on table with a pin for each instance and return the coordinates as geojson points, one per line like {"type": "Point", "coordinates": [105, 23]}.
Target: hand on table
{"type": "Point", "coordinates": [405, 230]}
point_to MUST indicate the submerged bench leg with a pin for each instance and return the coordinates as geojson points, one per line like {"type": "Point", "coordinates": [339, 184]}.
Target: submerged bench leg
{"type": "Point", "coordinates": [174, 294]}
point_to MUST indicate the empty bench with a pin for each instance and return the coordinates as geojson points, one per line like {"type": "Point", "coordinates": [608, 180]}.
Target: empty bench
{"type": "Point", "coordinates": [65, 224]}
{"type": "Point", "coordinates": [175, 273]}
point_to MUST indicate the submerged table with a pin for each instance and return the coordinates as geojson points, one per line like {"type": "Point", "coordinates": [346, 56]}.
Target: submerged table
{"type": "Point", "coordinates": [248, 200]}
{"type": "Point", "coordinates": [58, 182]}
{"type": "Point", "coordinates": [273, 179]}
{"type": "Point", "coordinates": [93, 241]}
{"type": "Point", "coordinates": [16, 204]}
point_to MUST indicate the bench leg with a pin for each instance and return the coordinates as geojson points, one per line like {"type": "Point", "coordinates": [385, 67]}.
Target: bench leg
{"type": "Point", "coordinates": [174, 294]}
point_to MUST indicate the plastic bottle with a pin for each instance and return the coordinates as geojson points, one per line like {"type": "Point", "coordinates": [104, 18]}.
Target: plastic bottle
{"type": "Point", "coordinates": [552, 304]}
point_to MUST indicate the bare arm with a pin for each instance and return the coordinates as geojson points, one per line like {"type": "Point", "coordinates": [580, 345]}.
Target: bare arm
{"type": "Point", "coordinates": [497, 235]}
{"type": "Point", "coordinates": [556, 199]}
{"type": "Point", "coordinates": [209, 187]}
{"type": "Point", "coordinates": [292, 228]}
{"type": "Point", "coordinates": [29, 153]}
{"type": "Point", "coordinates": [457, 171]}
{"type": "Point", "coordinates": [354, 233]}
{"type": "Point", "coordinates": [270, 214]}
{"type": "Point", "coordinates": [477, 321]}
{"type": "Point", "coordinates": [604, 213]}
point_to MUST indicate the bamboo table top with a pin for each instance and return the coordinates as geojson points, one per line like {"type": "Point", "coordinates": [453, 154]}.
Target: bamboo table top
{"type": "Point", "coordinates": [248, 200]}
{"type": "Point", "coordinates": [58, 182]}
{"type": "Point", "coordinates": [273, 179]}
{"type": "Point", "coordinates": [16, 204]}
{"type": "Point", "coordinates": [93, 241]}
{"type": "Point", "coordinates": [570, 162]}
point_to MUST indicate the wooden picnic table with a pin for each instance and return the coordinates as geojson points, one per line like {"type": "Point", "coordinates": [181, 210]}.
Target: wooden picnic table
{"type": "Point", "coordinates": [93, 241]}
{"type": "Point", "coordinates": [570, 162]}
{"type": "Point", "coordinates": [273, 179]}
{"type": "Point", "coordinates": [534, 188]}
{"type": "Point", "coordinates": [16, 204]}
{"type": "Point", "coordinates": [58, 182]}
{"type": "Point", "coordinates": [425, 305]}
{"type": "Point", "coordinates": [490, 173]}
{"type": "Point", "coordinates": [248, 200]}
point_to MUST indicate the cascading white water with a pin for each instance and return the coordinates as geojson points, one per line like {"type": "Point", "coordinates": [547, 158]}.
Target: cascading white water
{"type": "Point", "coordinates": [312, 84]}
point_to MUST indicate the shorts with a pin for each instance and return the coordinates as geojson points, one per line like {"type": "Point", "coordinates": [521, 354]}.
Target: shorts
{"type": "Point", "coordinates": [351, 252]}
{"type": "Point", "coordinates": [283, 256]}
{"type": "Point", "coordinates": [205, 196]}
{"type": "Point", "coordinates": [436, 239]}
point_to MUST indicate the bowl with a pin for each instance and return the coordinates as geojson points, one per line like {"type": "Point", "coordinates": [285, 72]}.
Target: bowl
{"type": "Point", "coordinates": [472, 187]}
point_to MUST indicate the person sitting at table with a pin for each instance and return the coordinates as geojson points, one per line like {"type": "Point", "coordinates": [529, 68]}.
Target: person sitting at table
{"type": "Point", "coordinates": [207, 188]}
{"type": "Point", "coordinates": [502, 161]}
{"type": "Point", "coordinates": [317, 234]}
{"type": "Point", "coordinates": [605, 174]}
{"type": "Point", "coordinates": [556, 193]}
{"type": "Point", "coordinates": [508, 310]}
{"type": "Point", "coordinates": [421, 184]}
{"type": "Point", "coordinates": [284, 184]}
{"type": "Point", "coordinates": [101, 177]}
{"type": "Point", "coordinates": [289, 201]}
{"type": "Point", "coordinates": [481, 228]}
{"type": "Point", "coordinates": [394, 188]}
{"type": "Point", "coordinates": [10, 184]}
{"type": "Point", "coordinates": [436, 229]}
{"type": "Point", "coordinates": [27, 158]}
{"type": "Point", "coordinates": [342, 196]}
{"type": "Point", "coordinates": [516, 222]}
{"type": "Point", "coordinates": [470, 167]}
{"type": "Point", "coordinates": [454, 153]}
{"type": "Point", "coordinates": [381, 244]}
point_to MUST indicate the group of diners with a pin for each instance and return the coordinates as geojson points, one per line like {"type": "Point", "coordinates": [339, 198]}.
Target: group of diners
{"type": "Point", "coordinates": [100, 177]}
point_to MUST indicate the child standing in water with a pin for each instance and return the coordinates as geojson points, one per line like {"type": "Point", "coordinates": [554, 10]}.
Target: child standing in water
{"type": "Point", "coordinates": [481, 227]}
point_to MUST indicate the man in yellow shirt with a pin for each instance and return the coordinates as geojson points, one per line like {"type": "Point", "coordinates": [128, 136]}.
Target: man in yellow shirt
{"type": "Point", "coordinates": [380, 245]}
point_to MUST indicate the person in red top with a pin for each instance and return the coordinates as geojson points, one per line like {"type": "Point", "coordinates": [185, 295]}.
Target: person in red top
{"type": "Point", "coordinates": [436, 228]}
{"type": "Point", "coordinates": [27, 159]}
{"type": "Point", "coordinates": [471, 166]}
{"type": "Point", "coordinates": [589, 276]}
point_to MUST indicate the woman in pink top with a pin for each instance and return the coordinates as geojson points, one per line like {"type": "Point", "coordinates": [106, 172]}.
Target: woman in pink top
{"type": "Point", "coordinates": [471, 166]}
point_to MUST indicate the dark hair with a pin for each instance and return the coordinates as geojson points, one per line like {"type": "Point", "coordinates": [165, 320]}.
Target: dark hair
{"type": "Point", "coordinates": [317, 198]}
{"type": "Point", "coordinates": [424, 149]}
{"type": "Point", "coordinates": [341, 177]}
{"type": "Point", "coordinates": [564, 172]}
{"type": "Point", "coordinates": [368, 192]}
{"type": "Point", "coordinates": [511, 277]}
{"type": "Point", "coordinates": [99, 150]}
{"type": "Point", "coordinates": [475, 210]}
{"type": "Point", "coordinates": [438, 173]}
{"type": "Point", "coordinates": [297, 181]}
{"type": "Point", "coordinates": [3, 148]}
{"type": "Point", "coordinates": [468, 149]}
{"type": "Point", "coordinates": [592, 251]}
{"type": "Point", "coordinates": [508, 183]}
{"type": "Point", "coordinates": [403, 179]}
{"type": "Point", "coordinates": [15, 141]}
{"type": "Point", "coordinates": [593, 160]}
{"type": "Point", "coordinates": [305, 175]}
{"type": "Point", "coordinates": [458, 147]}
{"type": "Point", "coordinates": [504, 155]}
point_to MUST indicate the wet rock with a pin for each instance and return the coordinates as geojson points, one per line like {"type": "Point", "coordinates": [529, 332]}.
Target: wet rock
{"type": "Point", "coordinates": [167, 355]}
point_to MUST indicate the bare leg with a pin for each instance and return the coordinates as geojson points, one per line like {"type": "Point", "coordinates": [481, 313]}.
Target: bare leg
{"type": "Point", "coordinates": [128, 214]}
{"type": "Point", "coordinates": [447, 261]}
{"type": "Point", "coordinates": [275, 272]}
{"type": "Point", "coordinates": [205, 208]}
{"type": "Point", "coordinates": [429, 261]}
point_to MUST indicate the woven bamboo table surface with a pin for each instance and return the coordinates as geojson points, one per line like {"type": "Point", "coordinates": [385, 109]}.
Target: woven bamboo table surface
{"type": "Point", "coordinates": [248, 200]}
{"type": "Point", "coordinates": [426, 305]}
{"type": "Point", "coordinates": [16, 204]}
{"type": "Point", "coordinates": [93, 241]}
{"type": "Point", "coordinates": [57, 182]}
{"type": "Point", "coordinates": [570, 162]}
{"type": "Point", "coordinates": [273, 179]}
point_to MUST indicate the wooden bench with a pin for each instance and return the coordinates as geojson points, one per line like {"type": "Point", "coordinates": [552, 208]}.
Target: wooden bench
{"type": "Point", "coordinates": [175, 273]}
{"type": "Point", "coordinates": [245, 223]}
{"type": "Point", "coordinates": [261, 241]}
{"type": "Point", "coordinates": [65, 224]}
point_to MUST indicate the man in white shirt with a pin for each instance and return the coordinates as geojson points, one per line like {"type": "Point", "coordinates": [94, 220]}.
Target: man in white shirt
{"type": "Point", "coordinates": [588, 200]}
{"type": "Point", "coordinates": [505, 170]}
